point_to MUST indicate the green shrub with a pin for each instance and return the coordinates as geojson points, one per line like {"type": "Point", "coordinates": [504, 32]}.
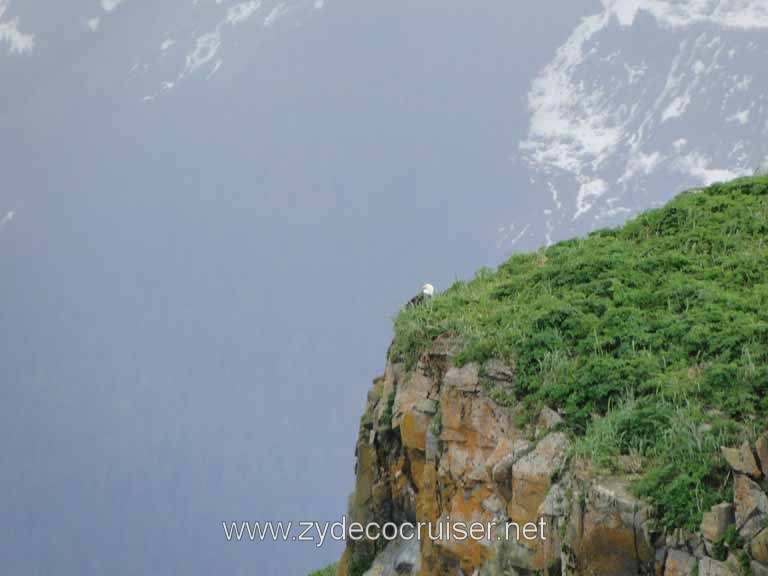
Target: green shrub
{"type": "Point", "coordinates": [387, 413]}
{"type": "Point", "coordinates": [327, 571]}
{"type": "Point", "coordinates": [360, 560]}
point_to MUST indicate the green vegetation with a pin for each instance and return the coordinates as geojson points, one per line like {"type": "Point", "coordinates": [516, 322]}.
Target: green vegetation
{"type": "Point", "coordinates": [652, 338]}
{"type": "Point", "coordinates": [732, 541]}
{"type": "Point", "coordinates": [360, 560]}
{"type": "Point", "coordinates": [386, 415]}
{"type": "Point", "coordinates": [745, 565]}
{"type": "Point", "coordinates": [327, 571]}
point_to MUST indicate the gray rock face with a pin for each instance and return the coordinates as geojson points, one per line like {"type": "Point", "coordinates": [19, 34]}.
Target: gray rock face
{"type": "Point", "coordinates": [710, 567]}
{"type": "Point", "coordinates": [679, 563]}
{"type": "Point", "coordinates": [761, 447]}
{"type": "Point", "coordinates": [548, 418]}
{"type": "Point", "coordinates": [498, 371]}
{"type": "Point", "coordinates": [749, 499]}
{"type": "Point", "coordinates": [464, 379]}
{"type": "Point", "coordinates": [742, 460]}
{"type": "Point", "coordinates": [715, 522]}
{"type": "Point", "coordinates": [502, 471]}
{"type": "Point", "coordinates": [759, 547]}
{"type": "Point", "coordinates": [399, 558]}
{"type": "Point", "coordinates": [608, 532]}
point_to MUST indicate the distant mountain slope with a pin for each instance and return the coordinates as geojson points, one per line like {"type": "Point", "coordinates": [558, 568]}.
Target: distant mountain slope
{"type": "Point", "coordinates": [652, 96]}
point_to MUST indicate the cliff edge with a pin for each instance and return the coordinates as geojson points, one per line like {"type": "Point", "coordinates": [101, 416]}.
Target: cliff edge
{"type": "Point", "coordinates": [612, 388]}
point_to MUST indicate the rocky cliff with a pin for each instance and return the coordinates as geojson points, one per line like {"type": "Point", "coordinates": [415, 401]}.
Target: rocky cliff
{"type": "Point", "coordinates": [613, 386]}
{"type": "Point", "coordinates": [433, 443]}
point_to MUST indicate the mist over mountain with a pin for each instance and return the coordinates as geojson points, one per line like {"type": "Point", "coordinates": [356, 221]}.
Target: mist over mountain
{"type": "Point", "coordinates": [644, 98]}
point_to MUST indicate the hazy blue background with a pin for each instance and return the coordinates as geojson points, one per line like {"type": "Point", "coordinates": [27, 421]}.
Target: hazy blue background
{"type": "Point", "coordinates": [198, 289]}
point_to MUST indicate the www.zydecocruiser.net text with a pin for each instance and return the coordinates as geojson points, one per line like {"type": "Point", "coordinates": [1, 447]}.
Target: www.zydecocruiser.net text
{"type": "Point", "coordinates": [319, 532]}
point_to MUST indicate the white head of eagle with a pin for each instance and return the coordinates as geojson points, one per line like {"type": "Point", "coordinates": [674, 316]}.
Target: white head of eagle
{"type": "Point", "coordinates": [427, 291]}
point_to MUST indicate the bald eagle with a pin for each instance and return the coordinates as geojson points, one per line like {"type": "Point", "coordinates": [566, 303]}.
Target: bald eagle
{"type": "Point", "coordinates": [427, 291]}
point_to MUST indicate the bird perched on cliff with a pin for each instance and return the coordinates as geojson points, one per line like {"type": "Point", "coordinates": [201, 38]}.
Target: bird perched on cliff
{"type": "Point", "coordinates": [427, 291]}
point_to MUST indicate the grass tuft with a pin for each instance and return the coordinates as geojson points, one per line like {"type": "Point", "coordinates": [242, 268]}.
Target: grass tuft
{"type": "Point", "coordinates": [329, 570]}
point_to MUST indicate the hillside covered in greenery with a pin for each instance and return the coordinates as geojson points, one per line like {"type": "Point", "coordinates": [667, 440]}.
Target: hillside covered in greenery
{"type": "Point", "coordinates": [651, 339]}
